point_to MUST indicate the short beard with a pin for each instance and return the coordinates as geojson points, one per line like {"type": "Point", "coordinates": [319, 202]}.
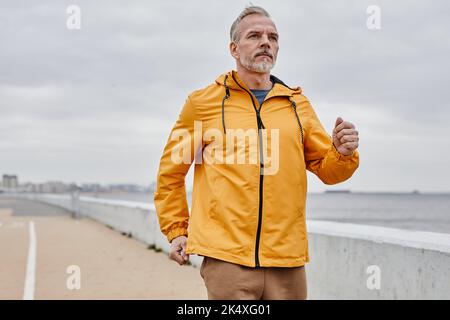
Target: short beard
{"type": "Point", "coordinates": [259, 67]}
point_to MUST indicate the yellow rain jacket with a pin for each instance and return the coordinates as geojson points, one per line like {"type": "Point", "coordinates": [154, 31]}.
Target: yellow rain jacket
{"type": "Point", "coordinates": [249, 212]}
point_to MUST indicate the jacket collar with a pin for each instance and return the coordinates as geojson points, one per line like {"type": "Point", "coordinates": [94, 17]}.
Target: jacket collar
{"type": "Point", "coordinates": [279, 88]}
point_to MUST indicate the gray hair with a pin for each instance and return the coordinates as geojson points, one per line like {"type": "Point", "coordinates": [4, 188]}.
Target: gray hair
{"type": "Point", "coordinates": [234, 36]}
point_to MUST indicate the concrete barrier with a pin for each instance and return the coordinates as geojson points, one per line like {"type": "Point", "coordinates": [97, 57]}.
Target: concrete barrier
{"type": "Point", "coordinates": [348, 261]}
{"type": "Point", "coordinates": [352, 261]}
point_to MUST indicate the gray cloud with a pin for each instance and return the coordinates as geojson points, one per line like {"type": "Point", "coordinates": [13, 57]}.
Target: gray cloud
{"type": "Point", "coordinates": [97, 104]}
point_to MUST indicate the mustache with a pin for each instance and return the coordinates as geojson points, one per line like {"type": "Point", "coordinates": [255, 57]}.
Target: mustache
{"type": "Point", "coordinates": [264, 53]}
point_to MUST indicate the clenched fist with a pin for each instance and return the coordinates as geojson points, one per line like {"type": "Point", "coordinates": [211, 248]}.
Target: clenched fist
{"type": "Point", "coordinates": [345, 137]}
{"type": "Point", "coordinates": [178, 250]}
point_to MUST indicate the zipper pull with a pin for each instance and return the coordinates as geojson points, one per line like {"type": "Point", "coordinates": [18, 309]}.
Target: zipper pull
{"type": "Point", "coordinates": [294, 105]}
{"type": "Point", "coordinates": [258, 117]}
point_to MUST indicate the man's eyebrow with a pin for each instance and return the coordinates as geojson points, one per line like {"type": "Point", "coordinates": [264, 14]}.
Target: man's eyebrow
{"type": "Point", "coordinates": [274, 33]}
{"type": "Point", "coordinates": [254, 31]}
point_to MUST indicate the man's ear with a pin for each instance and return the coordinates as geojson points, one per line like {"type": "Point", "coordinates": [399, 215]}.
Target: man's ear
{"type": "Point", "coordinates": [234, 50]}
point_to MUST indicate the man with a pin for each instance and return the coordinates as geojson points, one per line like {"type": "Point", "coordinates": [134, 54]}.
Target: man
{"type": "Point", "coordinates": [248, 217]}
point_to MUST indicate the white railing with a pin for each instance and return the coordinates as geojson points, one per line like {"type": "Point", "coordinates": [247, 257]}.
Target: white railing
{"type": "Point", "coordinates": [348, 261]}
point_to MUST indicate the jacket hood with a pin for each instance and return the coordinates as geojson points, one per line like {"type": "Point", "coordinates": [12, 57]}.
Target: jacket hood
{"type": "Point", "coordinates": [232, 81]}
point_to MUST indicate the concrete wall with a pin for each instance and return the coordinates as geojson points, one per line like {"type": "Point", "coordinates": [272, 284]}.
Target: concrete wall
{"type": "Point", "coordinates": [347, 258]}
{"type": "Point", "coordinates": [348, 261]}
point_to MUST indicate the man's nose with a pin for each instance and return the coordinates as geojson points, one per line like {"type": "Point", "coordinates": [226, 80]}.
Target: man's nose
{"type": "Point", "coordinates": [265, 43]}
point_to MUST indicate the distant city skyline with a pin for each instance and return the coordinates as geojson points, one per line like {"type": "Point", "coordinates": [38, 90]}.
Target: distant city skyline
{"type": "Point", "coordinates": [11, 183]}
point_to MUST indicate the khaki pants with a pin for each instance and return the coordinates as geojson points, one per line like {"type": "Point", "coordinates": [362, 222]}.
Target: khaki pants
{"type": "Point", "coordinates": [229, 281]}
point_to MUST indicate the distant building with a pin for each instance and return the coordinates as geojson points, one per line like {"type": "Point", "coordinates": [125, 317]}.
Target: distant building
{"type": "Point", "coordinates": [29, 187]}
{"type": "Point", "coordinates": [55, 187]}
{"type": "Point", "coordinates": [91, 187]}
{"type": "Point", "coordinates": [130, 188]}
{"type": "Point", "coordinates": [10, 181]}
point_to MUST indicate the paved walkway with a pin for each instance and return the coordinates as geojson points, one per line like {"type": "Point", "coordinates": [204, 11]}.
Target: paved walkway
{"type": "Point", "coordinates": [111, 266]}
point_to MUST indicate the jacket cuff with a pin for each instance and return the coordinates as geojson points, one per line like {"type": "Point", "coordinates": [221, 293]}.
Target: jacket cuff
{"type": "Point", "coordinates": [176, 232]}
{"type": "Point", "coordinates": [340, 156]}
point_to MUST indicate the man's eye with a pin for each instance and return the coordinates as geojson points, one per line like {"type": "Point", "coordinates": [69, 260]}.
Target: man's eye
{"type": "Point", "coordinates": [253, 36]}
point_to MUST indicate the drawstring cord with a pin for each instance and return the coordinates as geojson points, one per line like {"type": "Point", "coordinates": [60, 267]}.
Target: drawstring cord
{"type": "Point", "coordinates": [294, 106]}
{"type": "Point", "coordinates": [227, 95]}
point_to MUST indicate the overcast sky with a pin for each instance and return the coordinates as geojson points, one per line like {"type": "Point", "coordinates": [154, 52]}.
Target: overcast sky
{"type": "Point", "coordinates": [97, 104]}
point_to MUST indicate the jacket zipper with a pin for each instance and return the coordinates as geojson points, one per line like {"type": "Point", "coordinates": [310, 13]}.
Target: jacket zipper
{"type": "Point", "coordinates": [261, 175]}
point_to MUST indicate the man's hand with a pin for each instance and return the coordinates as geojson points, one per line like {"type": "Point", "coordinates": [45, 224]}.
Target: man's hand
{"type": "Point", "coordinates": [345, 137]}
{"type": "Point", "coordinates": [178, 250]}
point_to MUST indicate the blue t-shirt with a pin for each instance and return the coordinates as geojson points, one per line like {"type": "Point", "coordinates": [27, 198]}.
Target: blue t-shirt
{"type": "Point", "coordinates": [260, 95]}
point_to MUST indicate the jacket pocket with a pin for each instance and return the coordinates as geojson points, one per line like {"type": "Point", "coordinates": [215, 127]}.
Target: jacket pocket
{"type": "Point", "coordinates": [215, 196]}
